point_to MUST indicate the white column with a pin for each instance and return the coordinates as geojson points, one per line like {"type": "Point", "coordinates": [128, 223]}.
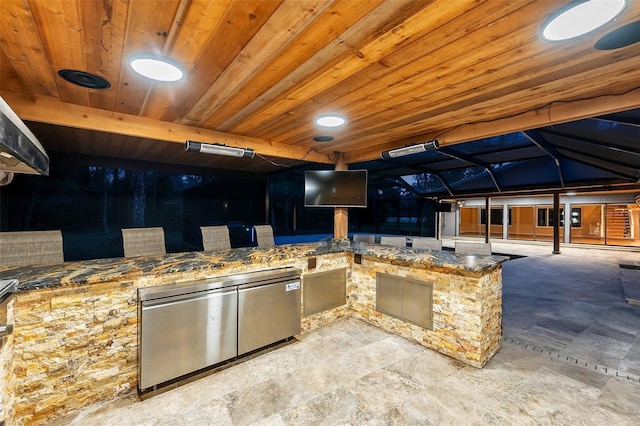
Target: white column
{"type": "Point", "coordinates": [505, 221]}
{"type": "Point", "coordinates": [567, 222]}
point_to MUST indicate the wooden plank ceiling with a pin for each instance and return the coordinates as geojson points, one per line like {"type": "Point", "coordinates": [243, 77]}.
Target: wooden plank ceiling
{"type": "Point", "coordinates": [259, 71]}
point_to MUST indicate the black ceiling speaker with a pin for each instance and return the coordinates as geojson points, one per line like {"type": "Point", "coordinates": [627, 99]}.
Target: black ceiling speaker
{"type": "Point", "coordinates": [622, 37]}
{"type": "Point", "coordinates": [84, 79]}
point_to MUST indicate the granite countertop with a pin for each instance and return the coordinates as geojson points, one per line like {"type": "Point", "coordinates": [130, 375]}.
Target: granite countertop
{"type": "Point", "coordinates": [206, 262]}
{"type": "Point", "coordinates": [434, 258]}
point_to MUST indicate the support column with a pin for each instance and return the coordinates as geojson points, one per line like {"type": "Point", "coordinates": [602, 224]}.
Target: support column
{"type": "Point", "coordinates": [556, 223]}
{"type": "Point", "coordinates": [487, 225]}
{"type": "Point", "coordinates": [340, 214]}
{"type": "Point", "coordinates": [567, 222]}
{"type": "Point", "coordinates": [505, 221]}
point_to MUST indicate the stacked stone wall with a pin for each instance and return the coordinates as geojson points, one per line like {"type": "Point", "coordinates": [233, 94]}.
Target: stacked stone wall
{"type": "Point", "coordinates": [6, 367]}
{"type": "Point", "coordinates": [73, 347]}
{"type": "Point", "coordinates": [467, 308]}
{"type": "Point", "coordinates": [76, 345]}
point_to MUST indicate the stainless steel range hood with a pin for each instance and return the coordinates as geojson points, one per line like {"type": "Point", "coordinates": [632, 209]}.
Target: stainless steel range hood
{"type": "Point", "coordinates": [20, 150]}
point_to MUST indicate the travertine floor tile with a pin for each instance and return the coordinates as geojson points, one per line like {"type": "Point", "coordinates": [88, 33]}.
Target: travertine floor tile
{"type": "Point", "coordinates": [381, 379]}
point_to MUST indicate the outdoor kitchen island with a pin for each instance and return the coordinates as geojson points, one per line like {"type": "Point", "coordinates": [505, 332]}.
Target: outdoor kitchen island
{"type": "Point", "coordinates": [75, 340]}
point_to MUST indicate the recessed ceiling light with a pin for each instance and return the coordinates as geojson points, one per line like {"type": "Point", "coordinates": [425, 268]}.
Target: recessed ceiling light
{"type": "Point", "coordinates": [580, 17]}
{"type": "Point", "coordinates": [323, 138]}
{"type": "Point", "coordinates": [156, 67]}
{"type": "Point", "coordinates": [330, 120]}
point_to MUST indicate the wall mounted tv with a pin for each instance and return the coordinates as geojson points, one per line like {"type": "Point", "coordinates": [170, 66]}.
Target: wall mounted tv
{"type": "Point", "coordinates": [335, 188]}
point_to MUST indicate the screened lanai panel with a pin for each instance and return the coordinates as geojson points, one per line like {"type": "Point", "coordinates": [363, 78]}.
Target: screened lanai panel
{"type": "Point", "coordinates": [535, 172]}
{"type": "Point", "coordinates": [447, 163]}
{"type": "Point", "coordinates": [603, 130]}
{"type": "Point", "coordinates": [625, 118]}
{"type": "Point", "coordinates": [492, 145]}
{"type": "Point", "coordinates": [425, 183]}
{"type": "Point", "coordinates": [523, 153]}
{"type": "Point", "coordinates": [613, 155]}
{"type": "Point", "coordinates": [577, 168]}
{"type": "Point", "coordinates": [469, 179]}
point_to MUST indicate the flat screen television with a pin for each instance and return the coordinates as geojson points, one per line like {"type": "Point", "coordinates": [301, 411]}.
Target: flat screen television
{"type": "Point", "coordinates": [335, 188]}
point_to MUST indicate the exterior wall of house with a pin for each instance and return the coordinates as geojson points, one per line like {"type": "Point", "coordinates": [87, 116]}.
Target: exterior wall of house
{"type": "Point", "coordinates": [610, 219]}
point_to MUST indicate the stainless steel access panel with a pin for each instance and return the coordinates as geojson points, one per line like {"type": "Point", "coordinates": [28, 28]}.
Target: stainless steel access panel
{"type": "Point", "coordinates": [189, 326]}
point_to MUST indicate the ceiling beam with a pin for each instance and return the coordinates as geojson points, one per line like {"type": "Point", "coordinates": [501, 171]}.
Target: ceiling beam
{"type": "Point", "coordinates": [52, 111]}
{"type": "Point", "coordinates": [553, 113]}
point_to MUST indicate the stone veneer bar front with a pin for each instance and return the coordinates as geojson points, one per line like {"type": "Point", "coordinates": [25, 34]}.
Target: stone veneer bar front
{"type": "Point", "coordinates": [75, 324]}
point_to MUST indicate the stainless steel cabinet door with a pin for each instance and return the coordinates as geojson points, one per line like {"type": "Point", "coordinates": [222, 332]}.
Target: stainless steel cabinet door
{"type": "Point", "coordinates": [267, 314]}
{"type": "Point", "coordinates": [186, 335]}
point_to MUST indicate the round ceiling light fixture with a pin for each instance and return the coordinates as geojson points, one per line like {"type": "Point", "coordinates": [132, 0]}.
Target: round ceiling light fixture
{"type": "Point", "coordinates": [84, 79]}
{"type": "Point", "coordinates": [330, 120]}
{"type": "Point", "coordinates": [580, 17]}
{"type": "Point", "coordinates": [323, 138]}
{"type": "Point", "coordinates": [157, 68]}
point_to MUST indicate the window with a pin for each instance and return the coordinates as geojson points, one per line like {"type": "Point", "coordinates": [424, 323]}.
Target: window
{"type": "Point", "coordinates": [576, 217]}
{"type": "Point", "coordinates": [496, 216]}
{"type": "Point", "coordinates": [542, 217]}
{"type": "Point", "coordinates": [545, 217]}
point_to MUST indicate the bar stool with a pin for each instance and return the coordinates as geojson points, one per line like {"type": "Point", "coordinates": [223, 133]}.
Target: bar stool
{"type": "Point", "coordinates": [463, 247]}
{"type": "Point", "coordinates": [427, 243]}
{"type": "Point", "coordinates": [215, 237]}
{"type": "Point", "coordinates": [143, 241]}
{"type": "Point", "coordinates": [264, 235]}
{"type": "Point", "coordinates": [31, 248]}
{"type": "Point", "coordinates": [364, 238]}
{"type": "Point", "coordinates": [394, 241]}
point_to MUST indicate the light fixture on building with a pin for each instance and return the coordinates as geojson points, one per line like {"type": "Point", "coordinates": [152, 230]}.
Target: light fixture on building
{"type": "Point", "coordinates": [580, 17]}
{"type": "Point", "coordinates": [411, 149]}
{"type": "Point", "coordinates": [219, 149]}
{"type": "Point", "coordinates": [330, 120]}
{"type": "Point", "coordinates": [156, 67]}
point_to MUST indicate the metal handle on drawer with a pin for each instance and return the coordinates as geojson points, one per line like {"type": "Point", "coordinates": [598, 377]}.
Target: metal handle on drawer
{"type": "Point", "coordinates": [6, 330]}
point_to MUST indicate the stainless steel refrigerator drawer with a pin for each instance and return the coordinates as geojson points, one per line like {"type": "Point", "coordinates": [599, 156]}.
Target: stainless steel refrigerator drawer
{"type": "Point", "coordinates": [180, 336]}
{"type": "Point", "coordinates": [267, 314]}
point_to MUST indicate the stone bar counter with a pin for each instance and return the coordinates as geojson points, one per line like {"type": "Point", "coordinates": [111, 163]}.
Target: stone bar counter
{"type": "Point", "coordinates": [74, 342]}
